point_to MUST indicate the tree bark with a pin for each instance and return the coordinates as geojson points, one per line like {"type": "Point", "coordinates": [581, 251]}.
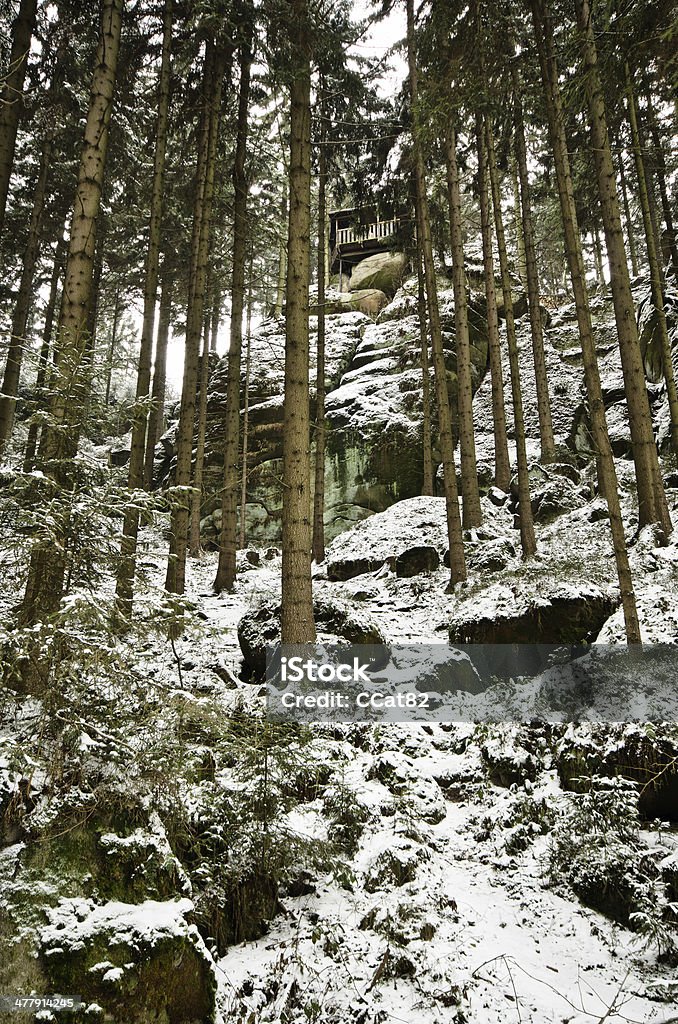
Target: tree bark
{"type": "Point", "coordinates": [45, 583]}
{"type": "Point", "coordinates": [652, 507]}
{"type": "Point", "coordinates": [318, 546]}
{"type": "Point", "coordinates": [228, 540]}
{"type": "Point", "coordinates": [428, 484]}
{"type": "Point", "coordinates": [445, 441]}
{"type": "Point", "coordinates": [548, 445]}
{"type": "Point", "coordinates": [660, 166]}
{"type": "Point", "coordinates": [135, 479]}
{"type": "Point", "coordinates": [11, 97]}
{"type": "Point", "coordinates": [502, 464]}
{"type": "Point", "coordinates": [246, 412]}
{"type": "Point", "coordinates": [298, 626]}
{"type": "Point", "coordinates": [472, 513]}
{"type": "Point", "coordinates": [633, 250]}
{"type": "Point", "coordinates": [282, 258]}
{"type": "Point", "coordinates": [43, 359]}
{"type": "Point", "coordinates": [518, 226]}
{"type": "Point", "coordinates": [156, 413]}
{"type": "Point", "coordinates": [215, 69]}
{"type": "Point", "coordinates": [527, 537]}
{"type": "Point", "coordinates": [656, 283]}
{"type": "Point", "coordinates": [605, 461]}
{"type": "Point", "coordinates": [194, 544]}
{"type": "Point", "coordinates": [110, 359]}
{"type": "Point", "coordinates": [17, 340]}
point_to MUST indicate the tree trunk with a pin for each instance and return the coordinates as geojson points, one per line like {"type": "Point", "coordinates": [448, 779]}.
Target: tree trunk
{"type": "Point", "coordinates": [502, 464]}
{"type": "Point", "coordinates": [445, 441]}
{"type": "Point", "coordinates": [517, 226]}
{"type": "Point", "coordinates": [428, 485]}
{"type": "Point", "coordinates": [216, 319]}
{"type": "Point", "coordinates": [246, 413]}
{"type": "Point", "coordinates": [43, 360]}
{"type": "Point", "coordinates": [60, 436]}
{"type": "Point", "coordinates": [194, 545]}
{"type": "Point", "coordinates": [548, 445]}
{"type": "Point", "coordinates": [17, 340]}
{"type": "Point", "coordinates": [605, 460]}
{"type": "Point", "coordinates": [598, 256]}
{"type": "Point", "coordinates": [298, 626]}
{"type": "Point", "coordinates": [110, 359]}
{"type": "Point", "coordinates": [282, 258]}
{"type": "Point", "coordinates": [228, 540]}
{"type": "Point", "coordinates": [156, 414]}
{"type": "Point", "coordinates": [215, 69]}
{"type": "Point", "coordinates": [660, 166]}
{"type": "Point", "coordinates": [653, 261]}
{"type": "Point", "coordinates": [318, 546]}
{"type": "Point", "coordinates": [135, 479]}
{"type": "Point", "coordinates": [472, 513]}
{"type": "Point", "coordinates": [527, 538]}
{"type": "Point", "coordinates": [11, 97]}
{"type": "Point", "coordinates": [630, 237]}
{"type": "Point", "coordinates": [652, 505]}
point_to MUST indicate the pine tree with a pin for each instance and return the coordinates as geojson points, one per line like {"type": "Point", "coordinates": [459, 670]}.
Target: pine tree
{"type": "Point", "coordinates": [297, 623]}
{"type": "Point", "coordinates": [156, 413]}
{"type": "Point", "coordinates": [527, 537]}
{"type": "Point", "coordinates": [656, 283]}
{"type": "Point", "coordinates": [652, 506]}
{"type": "Point", "coordinates": [217, 60]}
{"type": "Point", "coordinates": [454, 527]}
{"type": "Point", "coordinates": [126, 570]}
{"type": "Point", "coordinates": [43, 365]}
{"type": "Point", "coordinates": [606, 467]}
{"type": "Point", "coordinates": [228, 541]}
{"type": "Point", "coordinates": [11, 96]}
{"type": "Point", "coordinates": [17, 341]}
{"type": "Point", "coordinates": [531, 275]}
{"type": "Point", "coordinates": [472, 514]}
{"type": "Point", "coordinates": [318, 545]}
{"type": "Point", "coordinates": [60, 435]}
{"type": "Point", "coordinates": [502, 464]}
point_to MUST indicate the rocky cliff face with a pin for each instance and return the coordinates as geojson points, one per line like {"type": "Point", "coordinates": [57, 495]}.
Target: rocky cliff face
{"type": "Point", "coordinates": [374, 405]}
{"type": "Point", "coordinates": [373, 410]}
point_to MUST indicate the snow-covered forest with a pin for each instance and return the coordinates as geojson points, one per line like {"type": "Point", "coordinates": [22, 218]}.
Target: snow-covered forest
{"type": "Point", "coordinates": [349, 330]}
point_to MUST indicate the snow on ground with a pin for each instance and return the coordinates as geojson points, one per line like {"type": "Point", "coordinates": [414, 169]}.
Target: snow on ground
{"type": "Point", "coordinates": [466, 932]}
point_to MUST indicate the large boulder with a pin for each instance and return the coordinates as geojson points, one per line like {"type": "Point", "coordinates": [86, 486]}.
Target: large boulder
{"type": "Point", "coordinates": [369, 301]}
{"type": "Point", "coordinates": [559, 613]}
{"type": "Point", "coordinates": [99, 907]}
{"type": "Point", "coordinates": [140, 962]}
{"type": "Point", "coordinates": [411, 536]}
{"type": "Point", "coordinates": [336, 623]}
{"type": "Point", "coordinates": [384, 271]}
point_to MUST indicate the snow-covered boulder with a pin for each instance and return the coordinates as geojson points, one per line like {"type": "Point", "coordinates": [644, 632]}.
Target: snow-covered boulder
{"type": "Point", "coordinates": [411, 536]}
{"type": "Point", "coordinates": [557, 613]}
{"type": "Point", "coordinates": [384, 271]}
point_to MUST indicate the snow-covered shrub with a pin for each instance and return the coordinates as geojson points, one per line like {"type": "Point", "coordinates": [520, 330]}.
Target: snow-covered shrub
{"type": "Point", "coordinates": [597, 849]}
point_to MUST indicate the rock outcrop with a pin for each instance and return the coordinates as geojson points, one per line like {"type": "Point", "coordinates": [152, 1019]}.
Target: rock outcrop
{"type": "Point", "coordinates": [373, 415]}
{"type": "Point", "coordinates": [384, 271]}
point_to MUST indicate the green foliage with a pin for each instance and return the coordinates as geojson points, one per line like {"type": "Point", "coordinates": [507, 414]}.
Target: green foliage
{"type": "Point", "coordinates": [598, 850]}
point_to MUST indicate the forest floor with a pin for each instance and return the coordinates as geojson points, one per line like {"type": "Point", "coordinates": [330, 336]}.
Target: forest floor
{"type": "Point", "coordinates": [427, 873]}
{"type": "Point", "coordinates": [447, 904]}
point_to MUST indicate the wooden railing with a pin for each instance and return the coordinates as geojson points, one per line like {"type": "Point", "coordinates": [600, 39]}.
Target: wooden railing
{"type": "Point", "coordinates": [363, 232]}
